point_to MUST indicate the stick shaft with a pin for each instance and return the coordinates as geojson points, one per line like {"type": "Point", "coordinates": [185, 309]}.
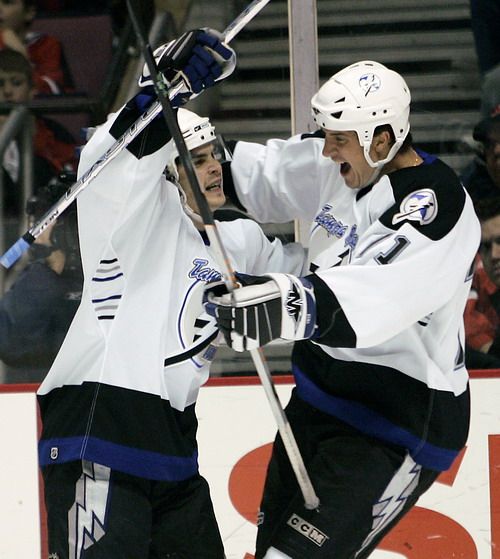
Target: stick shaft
{"type": "Point", "coordinates": [241, 21]}
{"type": "Point", "coordinates": [284, 428]}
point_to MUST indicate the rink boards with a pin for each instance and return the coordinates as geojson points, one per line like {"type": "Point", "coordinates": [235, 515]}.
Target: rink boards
{"type": "Point", "coordinates": [459, 517]}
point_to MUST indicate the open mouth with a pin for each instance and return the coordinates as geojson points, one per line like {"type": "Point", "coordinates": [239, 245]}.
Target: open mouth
{"type": "Point", "coordinates": [212, 187]}
{"type": "Point", "coordinates": [344, 168]}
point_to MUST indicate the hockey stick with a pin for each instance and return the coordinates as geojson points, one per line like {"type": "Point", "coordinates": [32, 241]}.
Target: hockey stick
{"type": "Point", "coordinates": [311, 500]}
{"type": "Point", "coordinates": [12, 255]}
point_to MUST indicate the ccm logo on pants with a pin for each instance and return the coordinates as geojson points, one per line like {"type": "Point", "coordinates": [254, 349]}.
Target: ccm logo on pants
{"type": "Point", "coordinates": [307, 530]}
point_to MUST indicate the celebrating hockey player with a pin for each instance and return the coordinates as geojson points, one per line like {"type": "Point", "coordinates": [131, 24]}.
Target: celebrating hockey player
{"type": "Point", "coordinates": [381, 403]}
{"type": "Point", "coordinates": [118, 449]}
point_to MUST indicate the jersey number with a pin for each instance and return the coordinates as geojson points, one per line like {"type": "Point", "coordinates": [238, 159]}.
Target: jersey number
{"type": "Point", "coordinates": [400, 243]}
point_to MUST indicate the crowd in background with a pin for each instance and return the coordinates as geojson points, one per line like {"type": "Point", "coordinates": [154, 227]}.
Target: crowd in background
{"type": "Point", "coordinates": [482, 180]}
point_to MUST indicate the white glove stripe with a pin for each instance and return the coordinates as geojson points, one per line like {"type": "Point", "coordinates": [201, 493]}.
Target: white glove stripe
{"type": "Point", "coordinates": [268, 321]}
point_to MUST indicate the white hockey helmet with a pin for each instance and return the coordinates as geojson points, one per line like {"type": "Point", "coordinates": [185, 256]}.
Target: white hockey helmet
{"type": "Point", "coordinates": [361, 97]}
{"type": "Point", "coordinates": [196, 130]}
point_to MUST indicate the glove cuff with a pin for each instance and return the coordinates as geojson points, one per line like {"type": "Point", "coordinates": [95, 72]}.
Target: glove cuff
{"type": "Point", "coordinates": [298, 310]}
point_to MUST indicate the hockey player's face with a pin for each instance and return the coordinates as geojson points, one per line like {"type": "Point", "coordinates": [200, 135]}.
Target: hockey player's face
{"type": "Point", "coordinates": [344, 148]}
{"type": "Point", "coordinates": [490, 248]}
{"type": "Point", "coordinates": [209, 172]}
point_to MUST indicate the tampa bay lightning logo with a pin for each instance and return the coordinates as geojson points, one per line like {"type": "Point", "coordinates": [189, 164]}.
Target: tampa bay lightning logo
{"type": "Point", "coordinates": [420, 206]}
{"type": "Point", "coordinates": [369, 83]}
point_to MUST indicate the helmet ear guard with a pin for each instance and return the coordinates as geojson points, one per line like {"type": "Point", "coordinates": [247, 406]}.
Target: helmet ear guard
{"type": "Point", "coordinates": [360, 98]}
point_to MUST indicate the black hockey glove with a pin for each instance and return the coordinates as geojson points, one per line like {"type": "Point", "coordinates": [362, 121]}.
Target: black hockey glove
{"type": "Point", "coordinates": [197, 59]}
{"type": "Point", "coordinates": [264, 309]}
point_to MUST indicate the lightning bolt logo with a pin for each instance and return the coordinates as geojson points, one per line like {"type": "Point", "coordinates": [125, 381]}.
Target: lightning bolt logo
{"type": "Point", "coordinates": [420, 206]}
{"type": "Point", "coordinates": [87, 516]}
{"type": "Point", "coordinates": [369, 83]}
{"type": "Point", "coordinates": [394, 497]}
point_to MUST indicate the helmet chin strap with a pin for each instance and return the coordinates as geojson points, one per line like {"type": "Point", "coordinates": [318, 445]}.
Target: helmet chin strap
{"type": "Point", "coordinates": [188, 210]}
{"type": "Point", "coordinates": [379, 165]}
{"type": "Point", "coordinates": [192, 214]}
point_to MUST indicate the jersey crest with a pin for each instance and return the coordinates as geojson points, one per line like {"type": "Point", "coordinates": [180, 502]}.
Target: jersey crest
{"type": "Point", "coordinates": [331, 225]}
{"type": "Point", "coordinates": [420, 206]}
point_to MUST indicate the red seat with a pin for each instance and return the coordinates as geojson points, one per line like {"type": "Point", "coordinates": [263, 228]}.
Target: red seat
{"type": "Point", "coordinates": [87, 44]}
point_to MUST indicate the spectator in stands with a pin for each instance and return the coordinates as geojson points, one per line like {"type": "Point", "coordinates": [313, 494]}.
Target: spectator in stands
{"type": "Point", "coordinates": [482, 176]}
{"type": "Point", "coordinates": [65, 7]}
{"type": "Point", "coordinates": [35, 313]}
{"type": "Point", "coordinates": [485, 22]}
{"type": "Point", "coordinates": [54, 147]}
{"type": "Point", "coordinates": [116, 9]}
{"type": "Point", "coordinates": [50, 72]}
{"type": "Point", "coordinates": [482, 312]}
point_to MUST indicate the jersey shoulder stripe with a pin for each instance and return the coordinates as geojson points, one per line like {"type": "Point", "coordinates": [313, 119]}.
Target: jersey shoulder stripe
{"type": "Point", "coordinates": [429, 197]}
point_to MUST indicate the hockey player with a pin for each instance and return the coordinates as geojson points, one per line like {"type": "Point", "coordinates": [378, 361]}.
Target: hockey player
{"type": "Point", "coordinates": [381, 403]}
{"type": "Point", "coordinates": [118, 449]}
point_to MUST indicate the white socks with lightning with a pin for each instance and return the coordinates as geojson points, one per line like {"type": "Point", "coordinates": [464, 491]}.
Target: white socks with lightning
{"type": "Point", "coordinates": [273, 553]}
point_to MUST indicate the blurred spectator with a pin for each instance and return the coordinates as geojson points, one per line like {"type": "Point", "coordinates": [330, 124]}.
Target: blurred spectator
{"type": "Point", "coordinates": [482, 312]}
{"type": "Point", "coordinates": [35, 313]}
{"type": "Point", "coordinates": [73, 7]}
{"type": "Point", "coordinates": [54, 147]}
{"type": "Point", "coordinates": [119, 13]}
{"type": "Point", "coordinates": [490, 91]}
{"type": "Point", "coordinates": [485, 22]}
{"type": "Point", "coordinates": [50, 71]}
{"type": "Point", "coordinates": [116, 9]}
{"type": "Point", "coordinates": [482, 177]}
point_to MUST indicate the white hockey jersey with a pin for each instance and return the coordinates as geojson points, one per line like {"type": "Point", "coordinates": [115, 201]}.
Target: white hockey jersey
{"type": "Point", "coordinates": [122, 388]}
{"type": "Point", "coordinates": [391, 270]}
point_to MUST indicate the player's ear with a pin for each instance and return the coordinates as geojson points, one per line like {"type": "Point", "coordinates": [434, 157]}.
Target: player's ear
{"type": "Point", "coordinates": [382, 142]}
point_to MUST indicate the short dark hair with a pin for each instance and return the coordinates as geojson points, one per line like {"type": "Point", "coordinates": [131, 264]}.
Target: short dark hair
{"type": "Point", "coordinates": [13, 61]}
{"type": "Point", "coordinates": [487, 208]}
{"type": "Point", "coordinates": [407, 143]}
{"type": "Point", "coordinates": [484, 128]}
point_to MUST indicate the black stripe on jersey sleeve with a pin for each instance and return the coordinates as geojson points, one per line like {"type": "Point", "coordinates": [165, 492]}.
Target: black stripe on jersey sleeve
{"type": "Point", "coordinates": [333, 327]}
{"type": "Point", "coordinates": [317, 134]}
{"type": "Point", "coordinates": [450, 197]}
{"type": "Point", "coordinates": [229, 188]}
{"type": "Point", "coordinates": [151, 139]}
